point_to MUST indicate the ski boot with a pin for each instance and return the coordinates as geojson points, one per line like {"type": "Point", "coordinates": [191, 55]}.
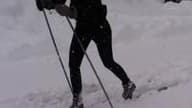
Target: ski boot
{"type": "Point", "coordinates": [128, 90]}
{"type": "Point", "coordinates": [77, 102]}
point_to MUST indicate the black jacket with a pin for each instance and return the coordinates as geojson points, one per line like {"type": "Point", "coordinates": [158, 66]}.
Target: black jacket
{"type": "Point", "coordinates": [89, 11]}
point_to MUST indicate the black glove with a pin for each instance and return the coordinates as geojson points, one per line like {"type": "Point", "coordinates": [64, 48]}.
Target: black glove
{"type": "Point", "coordinates": [48, 4]}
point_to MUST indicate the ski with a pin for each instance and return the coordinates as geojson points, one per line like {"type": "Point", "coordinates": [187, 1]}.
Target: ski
{"type": "Point", "coordinates": [145, 89]}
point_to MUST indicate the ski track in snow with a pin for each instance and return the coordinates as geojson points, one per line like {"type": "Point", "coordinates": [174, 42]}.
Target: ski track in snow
{"type": "Point", "coordinates": [93, 97]}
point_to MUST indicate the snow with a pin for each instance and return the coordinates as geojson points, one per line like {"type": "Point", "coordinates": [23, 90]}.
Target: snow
{"type": "Point", "coordinates": [151, 40]}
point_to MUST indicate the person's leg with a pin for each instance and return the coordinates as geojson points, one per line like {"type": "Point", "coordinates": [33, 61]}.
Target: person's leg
{"type": "Point", "coordinates": [103, 40]}
{"type": "Point", "coordinates": [75, 58]}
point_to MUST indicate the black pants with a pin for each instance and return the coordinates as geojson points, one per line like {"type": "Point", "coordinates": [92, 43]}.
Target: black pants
{"type": "Point", "coordinates": [101, 35]}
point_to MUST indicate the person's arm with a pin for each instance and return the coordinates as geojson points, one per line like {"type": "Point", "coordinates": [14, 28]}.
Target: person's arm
{"type": "Point", "coordinates": [64, 10]}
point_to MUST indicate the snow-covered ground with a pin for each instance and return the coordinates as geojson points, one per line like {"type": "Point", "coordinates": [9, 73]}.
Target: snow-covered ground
{"type": "Point", "coordinates": [151, 40]}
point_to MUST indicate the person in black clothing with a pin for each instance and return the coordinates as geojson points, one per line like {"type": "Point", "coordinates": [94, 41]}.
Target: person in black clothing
{"type": "Point", "coordinates": [91, 24]}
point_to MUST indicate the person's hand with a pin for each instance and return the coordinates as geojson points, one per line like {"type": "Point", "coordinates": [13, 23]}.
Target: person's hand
{"type": "Point", "coordinates": [64, 10]}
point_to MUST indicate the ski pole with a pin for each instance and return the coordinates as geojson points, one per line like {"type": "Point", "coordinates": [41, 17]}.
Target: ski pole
{"type": "Point", "coordinates": [56, 49]}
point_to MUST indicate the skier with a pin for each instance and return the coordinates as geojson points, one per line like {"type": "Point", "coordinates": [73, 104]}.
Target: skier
{"type": "Point", "coordinates": [91, 24]}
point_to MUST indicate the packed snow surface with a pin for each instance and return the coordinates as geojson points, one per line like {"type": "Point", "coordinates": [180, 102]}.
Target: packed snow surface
{"type": "Point", "coordinates": [151, 40]}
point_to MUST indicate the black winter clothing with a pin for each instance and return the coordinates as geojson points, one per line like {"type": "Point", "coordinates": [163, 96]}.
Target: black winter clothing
{"type": "Point", "coordinates": [92, 26]}
{"type": "Point", "coordinates": [89, 11]}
